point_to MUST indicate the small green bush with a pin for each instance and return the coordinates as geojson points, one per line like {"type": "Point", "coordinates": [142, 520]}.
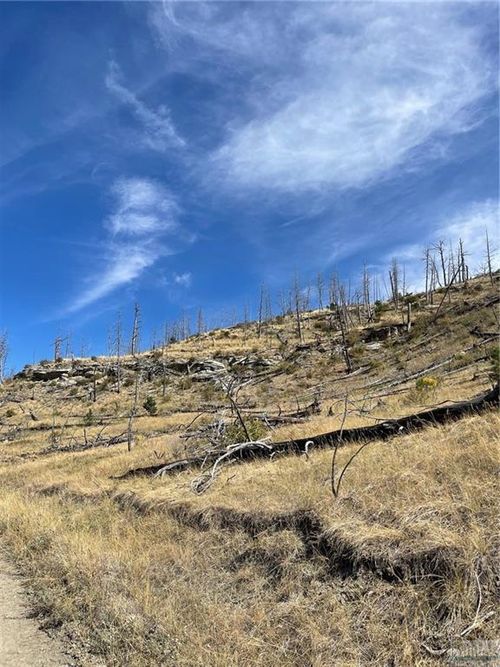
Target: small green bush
{"type": "Point", "coordinates": [88, 419]}
{"type": "Point", "coordinates": [235, 433]}
{"type": "Point", "coordinates": [10, 412]}
{"type": "Point", "coordinates": [426, 384]}
{"type": "Point", "coordinates": [150, 406]}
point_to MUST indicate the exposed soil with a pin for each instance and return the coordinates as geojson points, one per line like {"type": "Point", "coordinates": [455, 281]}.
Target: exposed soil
{"type": "Point", "coordinates": [22, 642]}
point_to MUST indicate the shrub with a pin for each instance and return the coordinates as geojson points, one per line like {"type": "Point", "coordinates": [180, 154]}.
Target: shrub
{"type": "Point", "coordinates": [88, 419]}
{"type": "Point", "coordinates": [235, 433]}
{"type": "Point", "coordinates": [379, 308]}
{"type": "Point", "coordinates": [150, 406]}
{"type": "Point", "coordinates": [10, 412]}
{"type": "Point", "coordinates": [73, 391]}
{"type": "Point", "coordinates": [426, 384]}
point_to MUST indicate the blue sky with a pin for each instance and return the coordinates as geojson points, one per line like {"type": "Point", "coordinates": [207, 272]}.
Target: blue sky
{"type": "Point", "coordinates": [180, 154]}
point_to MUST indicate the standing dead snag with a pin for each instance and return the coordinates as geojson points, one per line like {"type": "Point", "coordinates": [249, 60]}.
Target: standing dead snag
{"type": "Point", "coordinates": [117, 344]}
{"type": "Point", "coordinates": [232, 388]}
{"type": "Point", "coordinates": [134, 341]}
{"type": "Point", "coordinates": [394, 279]}
{"type": "Point", "coordinates": [130, 435]}
{"type": "Point", "coordinates": [297, 306]}
{"type": "Point", "coordinates": [488, 258]}
{"type": "Point", "coordinates": [4, 351]}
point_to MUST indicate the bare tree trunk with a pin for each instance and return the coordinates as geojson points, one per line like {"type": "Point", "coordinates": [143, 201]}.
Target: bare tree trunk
{"type": "Point", "coordinates": [488, 257]}
{"type": "Point", "coordinates": [320, 287]}
{"type": "Point", "coordinates": [345, 349]}
{"type": "Point", "coordinates": [440, 249]}
{"type": "Point", "coordinates": [261, 311]}
{"type": "Point", "coordinates": [296, 290]}
{"type": "Point", "coordinates": [130, 434]}
{"type": "Point", "coordinates": [4, 352]}
{"type": "Point", "coordinates": [366, 293]}
{"type": "Point", "coordinates": [427, 266]}
{"type": "Point", "coordinates": [394, 279]}
{"type": "Point", "coordinates": [408, 316]}
{"type": "Point", "coordinates": [118, 350]}
{"type": "Point", "coordinates": [134, 342]}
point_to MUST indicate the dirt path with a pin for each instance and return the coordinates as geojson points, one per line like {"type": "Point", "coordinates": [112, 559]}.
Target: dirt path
{"type": "Point", "coordinates": [22, 643]}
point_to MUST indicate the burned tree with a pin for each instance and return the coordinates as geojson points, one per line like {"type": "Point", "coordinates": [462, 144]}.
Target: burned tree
{"type": "Point", "coordinates": [4, 352]}
{"type": "Point", "coordinates": [394, 280]}
{"type": "Point", "coordinates": [297, 306]}
{"type": "Point", "coordinates": [117, 343]}
{"type": "Point", "coordinates": [135, 339]}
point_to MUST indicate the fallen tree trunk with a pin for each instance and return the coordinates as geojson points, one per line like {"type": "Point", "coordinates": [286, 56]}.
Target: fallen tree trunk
{"type": "Point", "coordinates": [381, 431]}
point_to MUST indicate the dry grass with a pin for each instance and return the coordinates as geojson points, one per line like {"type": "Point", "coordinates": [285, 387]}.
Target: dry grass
{"type": "Point", "coordinates": [390, 566]}
{"type": "Point", "coordinates": [265, 568]}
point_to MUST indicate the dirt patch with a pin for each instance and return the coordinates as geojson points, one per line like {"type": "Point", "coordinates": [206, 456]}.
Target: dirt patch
{"type": "Point", "coordinates": [22, 642]}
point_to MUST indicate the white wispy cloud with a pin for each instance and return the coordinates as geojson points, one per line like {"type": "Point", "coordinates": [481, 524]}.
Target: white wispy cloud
{"type": "Point", "coordinates": [343, 94]}
{"type": "Point", "coordinates": [142, 228]}
{"type": "Point", "coordinates": [159, 130]}
{"type": "Point", "coordinates": [143, 206]}
{"type": "Point", "coordinates": [124, 264]}
{"type": "Point", "coordinates": [183, 279]}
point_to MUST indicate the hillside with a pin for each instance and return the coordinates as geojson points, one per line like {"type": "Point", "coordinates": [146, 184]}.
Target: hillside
{"type": "Point", "coordinates": [256, 562]}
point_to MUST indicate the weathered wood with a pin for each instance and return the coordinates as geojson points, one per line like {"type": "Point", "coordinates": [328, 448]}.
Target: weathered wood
{"type": "Point", "coordinates": [381, 431]}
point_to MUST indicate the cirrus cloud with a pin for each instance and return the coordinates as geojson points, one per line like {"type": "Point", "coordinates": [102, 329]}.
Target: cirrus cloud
{"type": "Point", "coordinates": [143, 227]}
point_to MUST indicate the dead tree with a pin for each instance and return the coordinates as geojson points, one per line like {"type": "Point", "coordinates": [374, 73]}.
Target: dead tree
{"type": "Point", "coordinates": [118, 350]}
{"type": "Point", "coordinates": [200, 327]}
{"type": "Point", "coordinates": [463, 269]}
{"type": "Point", "coordinates": [488, 257]}
{"type": "Point", "coordinates": [94, 385]}
{"type": "Point", "coordinates": [261, 310]}
{"type": "Point", "coordinates": [135, 339]}
{"type": "Point", "coordinates": [366, 293]}
{"type": "Point", "coordinates": [442, 257]}
{"type": "Point", "coordinates": [297, 307]}
{"type": "Point", "coordinates": [343, 332]}
{"type": "Point", "coordinates": [163, 361]}
{"type": "Point", "coordinates": [320, 286]}
{"type": "Point", "coordinates": [428, 278]}
{"type": "Point", "coordinates": [133, 410]}
{"type": "Point", "coordinates": [4, 353]}
{"type": "Point", "coordinates": [394, 280]}
{"type": "Point", "coordinates": [408, 316]}
{"type": "Point", "coordinates": [58, 341]}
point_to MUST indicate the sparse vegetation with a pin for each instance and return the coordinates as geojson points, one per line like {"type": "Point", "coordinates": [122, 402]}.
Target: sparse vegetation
{"type": "Point", "coordinates": [150, 406]}
{"type": "Point", "coordinates": [141, 570]}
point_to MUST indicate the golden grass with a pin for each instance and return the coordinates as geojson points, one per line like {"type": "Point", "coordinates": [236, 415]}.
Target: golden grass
{"type": "Point", "coordinates": [155, 588]}
{"type": "Point", "coordinates": [265, 568]}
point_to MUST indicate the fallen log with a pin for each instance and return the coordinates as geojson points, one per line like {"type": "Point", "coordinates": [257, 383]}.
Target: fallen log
{"type": "Point", "coordinates": [382, 431]}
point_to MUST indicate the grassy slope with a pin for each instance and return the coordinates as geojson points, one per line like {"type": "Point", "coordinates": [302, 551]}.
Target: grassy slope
{"type": "Point", "coordinates": [266, 568]}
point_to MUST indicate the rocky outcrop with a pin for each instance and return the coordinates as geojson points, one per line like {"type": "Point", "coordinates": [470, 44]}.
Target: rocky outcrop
{"type": "Point", "coordinates": [151, 366]}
